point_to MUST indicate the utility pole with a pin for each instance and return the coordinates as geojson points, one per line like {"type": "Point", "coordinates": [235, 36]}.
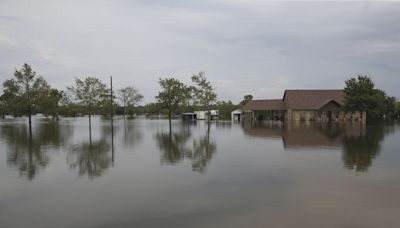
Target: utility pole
{"type": "Point", "coordinates": [112, 102]}
{"type": "Point", "coordinates": [112, 122]}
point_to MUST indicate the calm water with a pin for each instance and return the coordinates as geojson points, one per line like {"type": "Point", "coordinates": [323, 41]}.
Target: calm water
{"type": "Point", "coordinates": [230, 175]}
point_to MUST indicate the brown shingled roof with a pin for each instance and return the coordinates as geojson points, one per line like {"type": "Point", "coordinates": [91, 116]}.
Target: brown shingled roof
{"type": "Point", "coordinates": [274, 104]}
{"type": "Point", "coordinates": [311, 99]}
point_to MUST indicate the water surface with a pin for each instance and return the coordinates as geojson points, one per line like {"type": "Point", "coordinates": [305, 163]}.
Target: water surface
{"type": "Point", "coordinates": [137, 174]}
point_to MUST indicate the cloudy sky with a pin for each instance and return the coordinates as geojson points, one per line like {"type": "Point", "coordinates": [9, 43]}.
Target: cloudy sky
{"type": "Point", "coordinates": [245, 47]}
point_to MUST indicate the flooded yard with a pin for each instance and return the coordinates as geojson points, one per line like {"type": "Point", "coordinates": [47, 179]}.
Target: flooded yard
{"type": "Point", "coordinates": [137, 174]}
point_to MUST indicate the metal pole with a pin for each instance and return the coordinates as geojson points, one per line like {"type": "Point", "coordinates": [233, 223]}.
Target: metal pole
{"type": "Point", "coordinates": [112, 111]}
{"type": "Point", "coordinates": [112, 122]}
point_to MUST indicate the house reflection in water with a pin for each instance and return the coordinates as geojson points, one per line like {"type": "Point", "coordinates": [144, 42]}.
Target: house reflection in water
{"type": "Point", "coordinates": [359, 144]}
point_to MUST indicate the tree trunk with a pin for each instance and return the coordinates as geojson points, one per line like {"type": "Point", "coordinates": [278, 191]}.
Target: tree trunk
{"type": "Point", "coordinates": [209, 115]}
{"type": "Point", "coordinates": [124, 111]}
{"type": "Point", "coordinates": [169, 119]}
{"type": "Point", "coordinates": [90, 130]}
{"type": "Point", "coordinates": [30, 120]}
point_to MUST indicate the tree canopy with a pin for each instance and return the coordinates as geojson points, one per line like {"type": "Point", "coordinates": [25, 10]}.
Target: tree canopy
{"type": "Point", "coordinates": [361, 95]}
{"type": "Point", "coordinates": [246, 99]}
{"type": "Point", "coordinates": [90, 93]}
{"type": "Point", "coordinates": [24, 94]}
{"type": "Point", "coordinates": [173, 94]}
{"type": "Point", "coordinates": [204, 94]}
{"type": "Point", "coordinates": [129, 97]}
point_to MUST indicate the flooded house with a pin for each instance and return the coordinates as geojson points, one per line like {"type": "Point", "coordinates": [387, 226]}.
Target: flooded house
{"type": "Point", "coordinates": [303, 105]}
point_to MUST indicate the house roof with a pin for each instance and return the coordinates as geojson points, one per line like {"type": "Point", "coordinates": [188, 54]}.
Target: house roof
{"type": "Point", "coordinates": [311, 99]}
{"type": "Point", "coordinates": [274, 104]}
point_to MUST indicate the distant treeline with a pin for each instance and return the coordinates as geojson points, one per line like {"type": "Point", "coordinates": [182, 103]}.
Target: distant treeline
{"type": "Point", "coordinates": [26, 94]}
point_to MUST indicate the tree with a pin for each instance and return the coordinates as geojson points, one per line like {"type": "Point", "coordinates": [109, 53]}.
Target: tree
{"type": "Point", "coordinates": [397, 112]}
{"type": "Point", "coordinates": [3, 107]}
{"type": "Point", "coordinates": [173, 95]}
{"type": "Point", "coordinates": [204, 92]}
{"type": "Point", "coordinates": [90, 93]}
{"type": "Point", "coordinates": [49, 103]}
{"type": "Point", "coordinates": [129, 97]}
{"type": "Point", "coordinates": [361, 95]}
{"type": "Point", "coordinates": [225, 109]}
{"type": "Point", "coordinates": [10, 97]}
{"type": "Point", "coordinates": [25, 91]}
{"type": "Point", "coordinates": [246, 99]}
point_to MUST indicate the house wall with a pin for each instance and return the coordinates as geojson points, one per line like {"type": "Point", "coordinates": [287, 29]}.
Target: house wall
{"type": "Point", "coordinates": [322, 115]}
{"type": "Point", "coordinates": [262, 115]}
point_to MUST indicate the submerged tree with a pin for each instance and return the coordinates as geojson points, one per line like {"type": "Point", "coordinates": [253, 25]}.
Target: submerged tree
{"type": "Point", "coordinates": [173, 95]}
{"type": "Point", "coordinates": [204, 92]}
{"type": "Point", "coordinates": [90, 93]}
{"type": "Point", "coordinates": [361, 95]}
{"type": "Point", "coordinates": [397, 112]}
{"type": "Point", "coordinates": [129, 97]}
{"type": "Point", "coordinates": [25, 91]}
{"type": "Point", "coordinates": [49, 104]}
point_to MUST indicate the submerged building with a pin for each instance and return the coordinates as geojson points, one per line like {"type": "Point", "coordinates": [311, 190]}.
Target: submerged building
{"type": "Point", "coordinates": [302, 105]}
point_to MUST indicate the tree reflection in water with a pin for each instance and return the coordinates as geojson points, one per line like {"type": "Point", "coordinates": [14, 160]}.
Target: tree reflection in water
{"type": "Point", "coordinates": [29, 153]}
{"type": "Point", "coordinates": [132, 133]}
{"type": "Point", "coordinates": [359, 144]}
{"type": "Point", "coordinates": [360, 150]}
{"type": "Point", "coordinates": [92, 157]}
{"type": "Point", "coordinates": [175, 148]}
{"type": "Point", "coordinates": [202, 153]}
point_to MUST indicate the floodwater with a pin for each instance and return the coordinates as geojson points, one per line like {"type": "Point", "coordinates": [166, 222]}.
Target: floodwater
{"type": "Point", "coordinates": [136, 174]}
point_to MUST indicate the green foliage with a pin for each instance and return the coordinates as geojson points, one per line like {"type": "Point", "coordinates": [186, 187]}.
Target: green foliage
{"type": "Point", "coordinates": [204, 94]}
{"type": "Point", "coordinates": [25, 93]}
{"type": "Point", "coordinates": [129, 97]}
{"type": "Point", "coordinates": [361, 95]}
{"type": "Point", "coordinates": [150, 109]}
{"type": "Point", "coordinates": [246, 99]}
{"type": "Point", "coordinates": [49, 103]}
{"type": "Point", "coordinates": [225, 109]}
{"type": "Point", "coordinates": [397, 110]}
{"type": "Point", "coordinates": [10, 100]}
{"type": "Point", "coordinates": [91, 94]}
{"type": "Point", "coordinates": [173, 94]}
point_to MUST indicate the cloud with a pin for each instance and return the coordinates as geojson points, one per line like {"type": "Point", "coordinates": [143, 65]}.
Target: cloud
{"type": "Point", "coordinates": [245, 47]}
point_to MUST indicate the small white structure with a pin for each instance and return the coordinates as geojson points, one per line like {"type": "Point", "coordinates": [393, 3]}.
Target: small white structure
{"type": "Point", "coordinates": [236, 115]}
{"type": "Point", "coordinates": [201, 115]}
{"type": "Point", "coordinates": [204, 115]}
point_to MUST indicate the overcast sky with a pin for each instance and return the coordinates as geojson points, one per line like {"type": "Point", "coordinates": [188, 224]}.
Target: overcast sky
{"type": "Point", "coordinates": [245, 47]}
